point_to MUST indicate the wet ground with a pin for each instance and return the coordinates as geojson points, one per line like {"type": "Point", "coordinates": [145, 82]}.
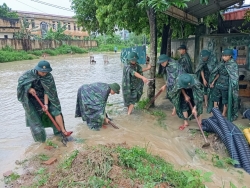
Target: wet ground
{"type": "Point", "coordinates": [141, 128]}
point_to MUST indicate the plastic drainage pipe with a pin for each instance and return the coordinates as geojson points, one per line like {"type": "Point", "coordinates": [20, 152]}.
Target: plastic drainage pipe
{"type": "Point", "coordinates": [231, 136]}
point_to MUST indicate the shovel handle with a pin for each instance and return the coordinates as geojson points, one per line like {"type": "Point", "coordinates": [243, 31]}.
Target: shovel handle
{"type": "Point", "coordinates": [153, 99]}
{"type": "Point", "coordinates": [47, 112]}
{"type": "Point", "coordinates": [113, 125]}
{"type": "Point", "coordinates": [191, 106]}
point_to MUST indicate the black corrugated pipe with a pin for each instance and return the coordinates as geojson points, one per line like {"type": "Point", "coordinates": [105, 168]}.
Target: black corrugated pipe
{"type": "Point", "coordinates": [231, 136]}
{"type": "Point", "coordinates": [212, 125]}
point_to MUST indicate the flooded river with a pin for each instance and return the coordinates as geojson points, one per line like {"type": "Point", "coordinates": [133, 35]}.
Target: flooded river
{"type": "Point", "coordinates": [140, 128]}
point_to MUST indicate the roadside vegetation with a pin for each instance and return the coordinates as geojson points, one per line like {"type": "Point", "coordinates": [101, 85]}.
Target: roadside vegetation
{"type": "Point", "coordinates": [112, 165]}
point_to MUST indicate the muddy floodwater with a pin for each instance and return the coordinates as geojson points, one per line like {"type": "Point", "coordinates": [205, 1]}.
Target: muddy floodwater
{"type": "Point", "coordinates": [166, 140]}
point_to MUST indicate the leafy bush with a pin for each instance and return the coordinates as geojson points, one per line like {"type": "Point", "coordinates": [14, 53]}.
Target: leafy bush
{"type": "Point", "coordinates": [8, 56]}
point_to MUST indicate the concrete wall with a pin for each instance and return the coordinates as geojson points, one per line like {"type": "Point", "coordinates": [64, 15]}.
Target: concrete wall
{"type": "Point", "coordinates": [44, 44]}
{"type": "Point", "coordinates": [175, 43]}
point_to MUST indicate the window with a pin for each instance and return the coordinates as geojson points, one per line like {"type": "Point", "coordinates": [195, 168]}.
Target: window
{"type": "Point", "coordinates": [74, 27]}
{"type": "Point", "coordinates": [6, 36]}
{"type": "Point", "coordinates": [69, 26]}
{"type": "Point", "coordinates": [33, 23]}
{"type": "Point", "coordinates": [53, 25]}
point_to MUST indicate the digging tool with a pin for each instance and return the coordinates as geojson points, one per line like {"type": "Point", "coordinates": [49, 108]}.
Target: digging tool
{"type": "Point", "coordinates": [152, 100]}
{"type": "Point", "coordinates": [111, 123]}
{"type": "Point", "coordinates": [207, 144]}
{"type": "Point", "coordinates": [64, 138]}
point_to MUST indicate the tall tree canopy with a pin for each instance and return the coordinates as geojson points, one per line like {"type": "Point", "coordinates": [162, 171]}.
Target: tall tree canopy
{"type": "Point", "coordinates": [5, 12]}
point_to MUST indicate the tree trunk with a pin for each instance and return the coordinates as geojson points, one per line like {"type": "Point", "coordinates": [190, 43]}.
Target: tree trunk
{"type": "Point", "coordinates": [169, 53]}
{"type": "Point", "coordinates": [164, 43]}
{"type": "Point", "coordinates": [153, 51]}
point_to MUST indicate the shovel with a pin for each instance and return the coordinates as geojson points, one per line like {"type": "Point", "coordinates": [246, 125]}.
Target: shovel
{"type": "Point", "coordinates": [152, 100]}
{"type": "Point", "coordinates": [207, 144]}
{"type": "Point", "coordinates": [111, 123]}
{"type": "Point", "coordinates": [64, 138]}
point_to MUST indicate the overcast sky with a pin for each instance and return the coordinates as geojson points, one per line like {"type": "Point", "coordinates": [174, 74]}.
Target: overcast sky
{"type": "Point", "coordinates": [31, 6]}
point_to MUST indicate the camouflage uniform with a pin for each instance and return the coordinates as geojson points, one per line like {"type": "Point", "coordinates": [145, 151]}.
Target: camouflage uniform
{"type": "Point", "coordinates": [195, 92]}
{"type": "Point", "coordinates": [186, 63]}
{"type": "Point", "coordinates": [91, 103]}
{"type": "Point", "coordinates": [35, 118]}
{"type": "Point", "coordinates": [228, 80]}
{"type": "Point", "coordinates": [173, 70]}
{"type": "Point", "coordinates": [132, 87]}
{"type": "Point", "coordinates": [207, 67]}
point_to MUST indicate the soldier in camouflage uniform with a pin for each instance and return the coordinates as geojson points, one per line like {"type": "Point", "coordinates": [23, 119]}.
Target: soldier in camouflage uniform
{"type": "Point", "coordinates": [39, 81]}
{"type": "Point", "coordinates": [173, 70]}
{"type": "Point", "coordinates": [225, 84]}
{"type": "Point", "coordinates": [187, 88]}
{"type": "Point", "coordinates": [91, 103]}
{"type": "Point", "coordinates": [132, 81]}
{"type": "Point", "coordinates": [207, 63]}
{"type": "Point", "coordinates": [185, 60]}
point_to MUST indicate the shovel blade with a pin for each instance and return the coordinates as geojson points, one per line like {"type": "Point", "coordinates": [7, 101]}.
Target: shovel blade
{"type": "Point", "coordinates": [206, 145]}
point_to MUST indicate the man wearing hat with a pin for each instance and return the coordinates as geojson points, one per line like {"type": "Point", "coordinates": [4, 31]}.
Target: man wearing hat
{"type": "Point", "coordinates": [173, 70]}
{"type": "Point", "coordinates": [187, 89]}
{"type": "Point", "coordinates": [207, 63]}
{"type": "Point", "coordinates": [39, 81]}
{"type": "Point", "coordinates": [225, 84]}
{"type": "Point", "coordinates": [185, 60]}
{"type": "Point", "coordinates": [132, 81]}
{"type": "Point", "coordinates": [91, 103]}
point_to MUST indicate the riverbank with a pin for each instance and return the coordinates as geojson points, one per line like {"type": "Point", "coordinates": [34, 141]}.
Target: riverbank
{"type": "Point", "coordinates": [155, 131]}
{"type": "Point", "coordinates": [7, 54]}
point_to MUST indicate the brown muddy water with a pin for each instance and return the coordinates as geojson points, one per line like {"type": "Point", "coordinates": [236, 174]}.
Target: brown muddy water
{"type": "Point", "coordinates": [16, 142]}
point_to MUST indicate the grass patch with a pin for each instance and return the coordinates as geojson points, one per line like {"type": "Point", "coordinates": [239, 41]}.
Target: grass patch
{"type": "Point", "coordinates": [50, 143]}
{"type": "Point", "coordinates": [223, 162]}
{"type": "Point", "coordinates": [14, 176]}
{"type": "Point", "coordinates": [161, 117]}
{"type": "Point", "coordinates": [117, 165]}
{"type": "Point", "coordinates": [142, 104]}
{"type": "Point", "coordinates": [43, 157]}
{"type": "Point", "coordinates": [202, 154]}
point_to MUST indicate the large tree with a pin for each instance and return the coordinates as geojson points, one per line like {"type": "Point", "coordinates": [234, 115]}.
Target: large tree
{"type": "Point", "coordinates": [5, 12]}
{"type": "Point", "coordinates": [138, 16]}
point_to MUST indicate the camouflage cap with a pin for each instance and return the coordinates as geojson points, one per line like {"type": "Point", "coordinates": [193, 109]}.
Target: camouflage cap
{"type": "Point", "coordinates": [115, 87]}
{"type": "Point", "coordinates": [186, 80]}
{"type": "Point", "coordinates": [163, 58]}
{"type": "Point", "coordinates": [205, 53]}
{"type": "Point", "coordinates": [43, 66]}
{"type": "Point", "coordinates": [182, 46]}
{"type": "Point", "coordinates": [227, 52]}
{"type": "Point", "coordinates": [132, 56]}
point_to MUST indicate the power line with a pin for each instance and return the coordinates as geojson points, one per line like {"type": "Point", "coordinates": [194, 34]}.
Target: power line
{"type": "Point", "coordinates": [30, 6]}
{"type": "Point", "coordinates": [52, 5]}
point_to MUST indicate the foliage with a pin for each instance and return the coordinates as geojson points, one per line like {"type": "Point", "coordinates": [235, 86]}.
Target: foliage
{"type": "Point", "coordinates": [50, 143]}
{"type": "Point", "coordinates": [142, 104]}
{"type": "Point", "coordinates": [152, 169]}
{"type": "Point", "coordinates": [8, 56]}
{"type": "Point", "coordinates": [68, 161]}
{"type": "Point", "coordinates": [11, 178]}
{"type": "Point", "coordinates": [58, 34]}
{"type": "Point", "coordinates": [6, 12]}
{"type": "Point", "coordinates": [202, 154]}
{"type": "Point", "coordinates": [43, 157]}
{"type": "Point", "coordinates": [223, 162]}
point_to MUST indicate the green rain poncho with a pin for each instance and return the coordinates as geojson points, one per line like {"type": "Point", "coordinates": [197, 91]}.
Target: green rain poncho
{"type": "Point", "coordinates": [232, 68]}
{"type": "Point", "coordinates": [210, 63]}
{"type": "Point", "coordinates": [132, 87]}
{"type": "Point", "coordinates": [91, 103]}
{"type": "Point", "coordinates": [197, 90]}
{"type": "Point", "coordinates": [35, 118]}
{"type": "Point", "coordinates": [186, 63]}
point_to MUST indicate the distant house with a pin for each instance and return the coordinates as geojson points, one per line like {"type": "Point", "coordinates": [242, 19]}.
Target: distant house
{"type": "Point", "coordinates": [40, 23]}
{"type": "Point", "coordinates": [8, 26]}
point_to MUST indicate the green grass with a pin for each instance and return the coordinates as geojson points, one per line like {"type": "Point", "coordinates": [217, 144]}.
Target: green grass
{"type": "Point", "coordinates": [14, 176]}
{"type": "Point", "coordinates": [50, 143]}
{"type": "Point", "coordinates": [141, 104]}
{"type": "Point", "coordinates": [43, 157]}
{"type": "Point", "coordinates": [161, 117]}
